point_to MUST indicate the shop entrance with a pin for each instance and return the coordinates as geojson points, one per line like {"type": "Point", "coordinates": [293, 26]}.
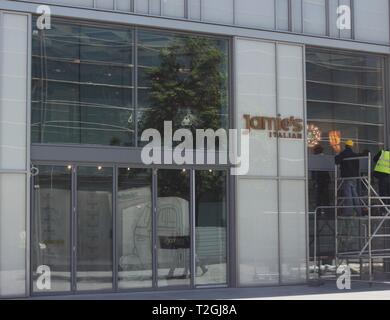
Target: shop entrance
{"type": "Point", "coordinates": [110, 228]}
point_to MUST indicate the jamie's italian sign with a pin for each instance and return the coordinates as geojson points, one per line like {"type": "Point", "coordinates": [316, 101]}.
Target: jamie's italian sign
{"type": "Point", "coordinates": [277, 127]}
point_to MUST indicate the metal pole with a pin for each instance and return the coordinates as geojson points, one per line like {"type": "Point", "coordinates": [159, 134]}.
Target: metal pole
{"type": "Point", "coordinates": [315, 244]}
{"type": "Point", "coordinates": [369, 219]}
{"type": "Point", "coordinates": [335, 214]}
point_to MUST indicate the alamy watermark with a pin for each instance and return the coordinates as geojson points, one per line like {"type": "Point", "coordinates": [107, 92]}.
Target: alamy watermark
{"type": "Point", "coordinates": [161, 150]}
{"type": "Point", "coordinates": [343, 281]}
{"type": "Point", "coordinates": [44, 278]}
{"type": "Point", "coordinates": [344, 19]}
{"type": "Point", "coordinates": [44, 19]}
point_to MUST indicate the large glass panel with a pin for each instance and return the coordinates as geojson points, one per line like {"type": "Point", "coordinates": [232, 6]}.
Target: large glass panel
{"type": "Point", "coordinates": [210, 223]}
{"type": "Point", "coordinates": [13, 152]}
{"type": "Point", "coordinates": [220, 11]}
{"type": "Point", "coordinates": [282, 12]}
{"type": "Point", "coordinates": [194, 9]}
{"type": "Point", "coordinates": [292, 231]}
{"type": "Point", "coordinates": [12, 234]}
{"type": "Point", "coordinates": [296, 16]}
{"type": "Point", "coordinates": [291, 103]}
{"type": "Point", "coordinates": [13, 88]}
{"type": "Point", "coordinates": [82, 85]}
{"type": "Point", "coordinates": [51, 240]}
{"type": "Point", "coordinates": [255, 13]}
{"type": "Point", "coordinates": [134, 232]}
{"type": "Point", "coordinates": [257, 231]}
{"type": "Point", "coordinates": [345, 93]}
{"type": "Point", "coordinates": [256, 97]}
{"type": "Point", "coordinates": [183, 79]}
{"type": "Point", "coordinates": [173, 228]}
{"type": "Point", "coordinates": [345, 100]}
{"type": "Point", "coordinates": [94, 228]}
{"type": "Point", "coordinates": [314, 17]}
{"type": "Point", "coordinates": [173, 8]}
{"type": "Point", "coordinates": [372, 20]}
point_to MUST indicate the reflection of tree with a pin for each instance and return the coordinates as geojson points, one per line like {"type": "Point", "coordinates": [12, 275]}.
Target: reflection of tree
{"type": "Point", "coordinates": [190, 80]}
{"type": "Point", "coordinates": [190, 83]}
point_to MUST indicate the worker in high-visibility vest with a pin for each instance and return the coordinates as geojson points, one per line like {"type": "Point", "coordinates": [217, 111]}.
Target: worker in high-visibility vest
{"type": "Point", "coordinates": [382, 173]}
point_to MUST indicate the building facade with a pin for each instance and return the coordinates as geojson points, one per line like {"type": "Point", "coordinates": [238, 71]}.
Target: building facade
{"type": "Point", "coordinates": [80, 211]}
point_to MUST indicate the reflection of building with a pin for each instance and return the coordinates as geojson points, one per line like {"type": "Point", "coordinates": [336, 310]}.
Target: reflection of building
{"type": "Point", "coordinates": [93, 82]}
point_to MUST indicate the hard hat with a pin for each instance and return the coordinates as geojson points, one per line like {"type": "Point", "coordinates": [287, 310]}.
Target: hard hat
{"type": "Point", "coordinates": [349, 143]}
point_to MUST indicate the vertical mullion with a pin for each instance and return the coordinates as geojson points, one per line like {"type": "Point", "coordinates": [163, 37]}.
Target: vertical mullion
{"type": "Point", "coordinates": [352, 6]}
{"type": "Point", "coordinates": [74, 229]}
{"type": "Point", "coordinates": [278, 181]}
{"type": "Point", "coordinates": [186, 10]}
{"type": "Point", "coordinates": [289, 16]}
{"type": "Point", "coordinates": [302, 17]}
{"type": "Point", "coordinates": [192, 230]}
{"type": "Point", "coordinates": [131, 5]}
{"type": "Point", "coordinates": [328, 16]}
{"type": "Point", "coordinates": [306, 172]}
{"type": "Point", "coordinates": [135, 85]}
{"type": "Point", "coordinates": [114, 228]}
{"type": "Point", "coordinates": [154, 229]}
{"type": "Point", "coordinates": [200, 10]}
{"type": "Point", "coordinates": [275, 15]}
{"type": "Point", "coordinates": [31, 235]}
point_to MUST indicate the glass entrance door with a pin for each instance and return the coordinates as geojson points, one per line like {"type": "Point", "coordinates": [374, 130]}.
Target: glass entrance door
{"type": "Point", "coordinates": [173, 228]}
{"type": "Point", "coordinates": [94, 228]}
{"type": "Point", "coordinates": [51, 229]}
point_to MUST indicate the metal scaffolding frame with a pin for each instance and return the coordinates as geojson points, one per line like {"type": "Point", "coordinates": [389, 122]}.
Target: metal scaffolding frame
{"type": "Point", "coordinates": [368, 202]}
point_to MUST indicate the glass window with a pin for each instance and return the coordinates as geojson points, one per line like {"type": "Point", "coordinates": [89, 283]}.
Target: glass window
{"type": "Point", "coordinates": [210, 223]}
{"type": "Point", "coordinates": [182, 79]}
{"type": "Point", "coordinates": [94, 228]}
{"type": "Point", "coordinates": [51, 244]}
{"type": "Point", "coordinates": [296, 15]}
{"type": "Point", "coordinates": [173, 228]}
{"type": "Point", "coordinates": [255, 13]}
{"type": "Point", "coordinates": [345, 93]}
{"type": "Point", "coordinates": [134, 232]}
{"type": "Point", "coordinates": [345, 100]}
{"type": "Point", "coordinates": [372, 20]}
{"type": "Point", "coordinates": [82, 85]}
{"type": "Point", "coordinates": [282, 12]}
{"type": "Point", "coordinates": [256, 96]}
{"type": "Point", "coordinates": [314, 17]}
{"type": "Point", "coordinates": [173, 8]}
{"type": "Point", "coordinates": [220, 11]}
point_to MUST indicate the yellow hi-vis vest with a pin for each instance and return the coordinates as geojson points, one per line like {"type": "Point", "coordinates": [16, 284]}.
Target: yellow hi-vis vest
{"type": "Point", "coordinates": [383, 164]}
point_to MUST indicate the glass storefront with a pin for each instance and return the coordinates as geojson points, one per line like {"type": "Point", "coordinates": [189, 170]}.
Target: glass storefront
{"type": "Point", "coordinates": [108, 227]}
{"type": "Point", "coordinates": [108, 240]}
{"type": "Point", "coordinates": [116, 226]}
